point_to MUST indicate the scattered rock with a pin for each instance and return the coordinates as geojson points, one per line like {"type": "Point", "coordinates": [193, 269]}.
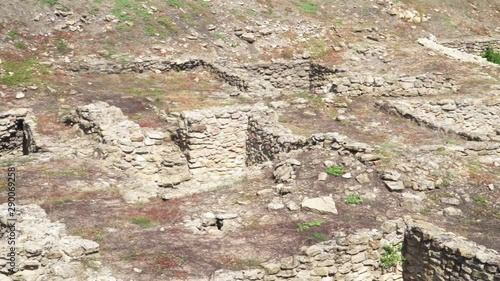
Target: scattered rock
{"type": "Point", "coordinates": [322, 205]}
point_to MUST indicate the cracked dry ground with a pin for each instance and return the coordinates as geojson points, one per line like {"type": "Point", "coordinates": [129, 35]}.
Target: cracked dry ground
{"type": "Point", "coordinates": [153, 236]}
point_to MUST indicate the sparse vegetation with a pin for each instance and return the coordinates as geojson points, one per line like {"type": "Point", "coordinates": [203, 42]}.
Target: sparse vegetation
{"type": "Point", "coordinates": [12, 34]}
{"type": "Point", "coordinates": [21, 72]}
{"type": "Point", "coordinates": [491, 55]}
{"type": "Point", "coordinates": [308, 7]}
{"type": "Point", "coordinates": [20, 45]}
{"type": "Point", "coordinates": [143, 222]}
{"type": "Point", "coordinates": [61, 46]}
{"type": "Point", "coordinates": [50, 3]}
{"type": "Point", "coordinates": [391, 256]}
{"type": "Point", "coordinates": [307, 225]}
{"type": "Point", "coordinates": [317, 237]}
{"type": "Point", "coordinates": [481, 200]}
{"type": "Point", "coordinates": [175, 3]}
{"type": "Point", "coordinates": [336, 171]}
{"type": "Point", "coordinates": [353, 199]}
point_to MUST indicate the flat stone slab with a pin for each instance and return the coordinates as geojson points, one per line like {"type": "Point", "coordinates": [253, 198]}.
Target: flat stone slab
{"type": "Point", "coordinates": [394, 185]}
{"type": "Point", "coordinates": [322, 205]}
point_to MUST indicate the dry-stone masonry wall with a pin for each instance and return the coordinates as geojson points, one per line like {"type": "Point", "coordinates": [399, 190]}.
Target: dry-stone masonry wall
{"type": "Point", "coordinates": [292, 76]}
{"type": "Point", "coordinates": [45, 252]}
{"type": "Point", "coordinates": [128, 147]}
{"type": "Point", "coordinates": [433, 254]}
{"type": "Point", "coordinates": [428, 252]}
{"type": "Point", "coordinates": [473, 45]}
{"type": "Point", "coordinates": [17, 131]}
{"type": "Point", "coordinates": [348, 84]}
{"type": "Point", "coordinates": [473, 119]}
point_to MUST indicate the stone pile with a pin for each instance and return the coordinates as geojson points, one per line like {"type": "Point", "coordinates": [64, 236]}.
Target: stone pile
{"type": "Point", "coordinates": [17, 131]}
{"type": "Point", "coordinates": [473, 119]}
{"type": "Point", "coordinates": [348, 84]}
{"type": "Point", "coordinates": [403, 12]}
{"type": "Point", "coordinates": [128, 147]}
{"type": "Point", "coordinates": [45, 251]}
{"type": "Point", "coordinates": [472, 45]}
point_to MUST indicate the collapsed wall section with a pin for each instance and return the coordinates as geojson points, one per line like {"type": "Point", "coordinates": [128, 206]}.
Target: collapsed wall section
{"type": "Point", "coordinates": [16, 131]}
{"type": "Point", "coordinates": [44, 249]}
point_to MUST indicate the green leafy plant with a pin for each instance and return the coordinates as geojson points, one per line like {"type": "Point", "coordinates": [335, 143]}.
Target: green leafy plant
{"type": "Point", "coordinates": [336, 171]}
{"type": "Point", "coordinates": [491, 55]}
{"type": "Point", "coordinates": [353, 199]}
{"type": "Point", "coordinates": [307, 225]}
{"type": "Point", "coordinates": [391, 256]}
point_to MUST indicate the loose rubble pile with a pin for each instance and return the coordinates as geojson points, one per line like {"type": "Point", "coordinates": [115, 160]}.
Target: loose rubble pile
{"type": "Point", "coordinates": [473, 46]}
{"type": "Point", "coordinates": [45, 251]}
{"type": "Point", "coordinates": [402, 11]}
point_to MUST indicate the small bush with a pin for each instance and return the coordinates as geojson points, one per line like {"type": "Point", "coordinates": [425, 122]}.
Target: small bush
{"type": "Point", "coordinates": [143, 222]}
{"type": "Point", "coordinates": [307, 225]}
{"type": "Point", "coordinates": [336, 171]}
{"type": "Point", "coordinates": [61, 46]}
{"type": "Point", "coordinates": [491, 55]}
{"type": "Point", "coordinates": [391, 256]}
{"type": "Point", "coordinates": [353, 199]}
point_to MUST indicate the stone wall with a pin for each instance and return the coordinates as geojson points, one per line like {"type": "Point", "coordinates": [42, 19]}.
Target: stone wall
{"type": "Point", "coordinates": [128, 147]}
{"type": "Point", "coordinates": [473, 45]}
{"type": "Point", "coordinates": [352, 85]}
{"type": "Point", "coordinates": [354, 256]}
{"type": "Point", "coordinates": [429, 253]}
{"type": "Point", "coordinates": [473, 119]}
{"type": "Point", "coordinates": [45, 251]}
{"type": "Point", "coordinates": [16, 131]}
{"type": "Point", "coordinates": [266, 139]}
{"type": "Point", "coordinates": [433, 254]}
{"type": "Point", "coordinates": [293, 76]}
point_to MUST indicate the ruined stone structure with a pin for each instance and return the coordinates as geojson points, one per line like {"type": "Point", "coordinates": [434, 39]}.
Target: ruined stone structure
{"type": "Point", "coordinates": [351, 85]}
{"type": "Point", "coordinates": [428, 252]}
{"type": "Point", "coordinates": [147, 153]}
{"type": "Point", "coordinates": [472, 45]}
{"type": "Point", "coordinates": [295, 76]}
{"type": "Point", "coordinates": [45, 251]}
{"type": "Point", "coordinates": [473, 119]}
{"type": "Point", "coordinates": [16, 131]}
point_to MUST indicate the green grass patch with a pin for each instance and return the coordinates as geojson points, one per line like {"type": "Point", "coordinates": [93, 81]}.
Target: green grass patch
{"type": "Point", "coordinates": [12, 34]}
{"type": "Point", "coordinates": [61, 46]}
{"type": "Point", "coordinates": [50, 3]}
{"type": "Point", "coordinates": [307, 225]}
{"type": "Point", "coordinates": [353, 199]}
{"type": "Point", "coordinates": [481, 200]}
{"type": "Point", "coordinates": [175, 3]}
{"type": "Point", "coordinates": [21, 72]}
{"type": "Point", "coordinates": [168, 24]}
{"type": "Point", "coordinates": [391, 256]}
{"type": "Point", "coordinates": [20, 45]}
{"type": "Point", "coordinates": [336, 171]}
{"type": "Point", "coordinates": [491, 55]}
{"type": "Point", "coordinates": [308, 7]}
{"type": "Point", "coordinates": [57, 202]}
{"type": "Point", "coordinates": [143, 222]}
{"type": "Point", "coordinates": [150, 30]}
{"type": "Point", "coordinates": [6, 163]}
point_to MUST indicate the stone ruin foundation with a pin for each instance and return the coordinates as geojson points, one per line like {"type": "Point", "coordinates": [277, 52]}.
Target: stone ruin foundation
{"type": "Point", "coordinates": [428, 252]}
{"type": "Point", "coordinates": [17, 132]}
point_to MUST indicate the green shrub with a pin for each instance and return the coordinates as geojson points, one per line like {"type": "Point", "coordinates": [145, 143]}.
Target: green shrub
{"type": "Point", "coordinates": [391, 256]}
{"type": "Point", "coordinates": [491, 55]}
{"type": "Point", "coordinates": [306, 225]}
{"type": "Point", "coordinates": [61, 46]}
{"type": "Point", "coordinates": [353, 199]}
{"type": "Point", "coordinates": [336, 171]}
